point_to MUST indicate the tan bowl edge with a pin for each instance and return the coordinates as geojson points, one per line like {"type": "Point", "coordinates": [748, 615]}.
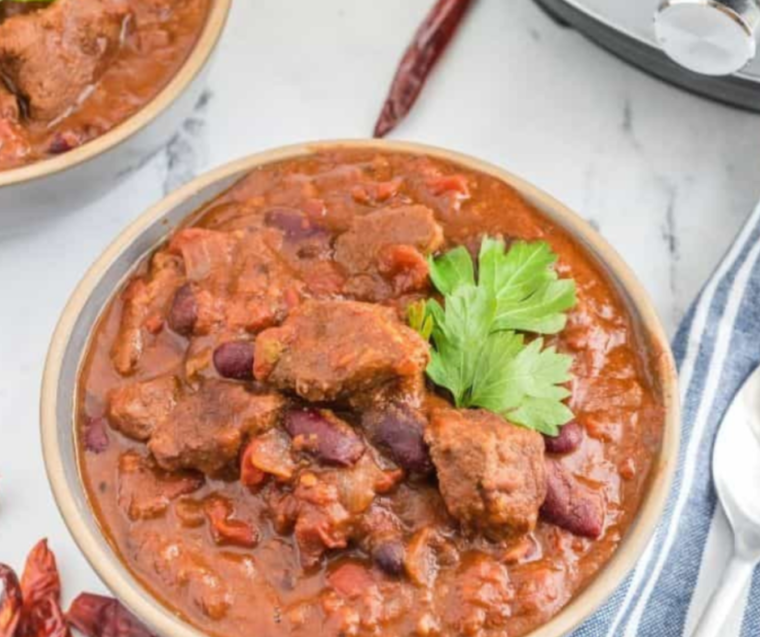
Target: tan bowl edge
{"type": "Point", "coordinates": [192, 66]}
{"type": "Point", "coordinates": [609, 577]}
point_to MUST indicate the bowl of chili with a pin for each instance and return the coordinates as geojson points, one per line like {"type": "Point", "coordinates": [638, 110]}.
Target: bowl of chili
{"type": "Point", "coordinates": [111, 84]}
{"type": "Point", "coordinates": [348, 485]}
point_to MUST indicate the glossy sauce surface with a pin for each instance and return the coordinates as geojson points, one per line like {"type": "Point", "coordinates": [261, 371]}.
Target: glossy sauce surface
{"type": "Point", "coordinates": [451, 583]}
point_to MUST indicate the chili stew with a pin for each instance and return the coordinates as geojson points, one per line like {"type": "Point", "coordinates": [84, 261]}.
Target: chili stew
{"type": "Point", "coordinates": [264, 449]}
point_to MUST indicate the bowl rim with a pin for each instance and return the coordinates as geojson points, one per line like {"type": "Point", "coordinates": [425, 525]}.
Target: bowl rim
{"type": "Point", "coordinates": [199, 55]}
{"type": "Point", "coordinates": [611, 574]}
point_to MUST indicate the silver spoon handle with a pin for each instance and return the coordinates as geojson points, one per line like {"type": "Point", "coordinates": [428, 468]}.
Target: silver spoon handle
{"type": "Point", "coordinates": [734, 580]}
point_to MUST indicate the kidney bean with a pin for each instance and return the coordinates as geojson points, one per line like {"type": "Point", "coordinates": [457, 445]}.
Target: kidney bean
{"type": "Point", "coordinates": [184, 311]}
{"type": "Point", "coordinates": [63, 142]}
{"type": "Point", "coordinates": [294, 223]}
{"type": "Point", "coordinates": [96, 435]}
{"type": "Point", "coordinates": [10, 601]}
{"type": "Point", "coordinates": [235, 360]}
{"type": "Point", "coordinates": [389, 557]}
{"type": "Point", "coordinates": [320, 432]}
{"type": "Point", "coordinates": [570, 505]}
{"type": "Point", "coordinates": [569, 439]}
{"type": "Point", "coordinates": [398, 430]}
{"type": "Point", "coordinates": [100, 616]}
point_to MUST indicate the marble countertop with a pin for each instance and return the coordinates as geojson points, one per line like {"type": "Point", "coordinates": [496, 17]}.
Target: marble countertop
{"type": "Point", "coordinates": [665, 176]}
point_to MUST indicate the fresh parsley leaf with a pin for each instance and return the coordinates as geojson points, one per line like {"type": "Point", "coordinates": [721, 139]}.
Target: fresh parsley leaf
{"type": "Point", "coordinates": [523, 383]}
{"type": "Point", "coordinates": [478, 352]}
{"type": "Point", "coordinates": [452, 270]}
{"type": "Point", "coordinates": [530, 296]}
{"type": "Point", "coordinates": [459, 333]}
{"type": "Point", "coordinates": [419, 318]}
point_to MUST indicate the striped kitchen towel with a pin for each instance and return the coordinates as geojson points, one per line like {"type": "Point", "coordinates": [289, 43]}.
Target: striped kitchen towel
{"type": "Point", "coordinates": [716, 348]}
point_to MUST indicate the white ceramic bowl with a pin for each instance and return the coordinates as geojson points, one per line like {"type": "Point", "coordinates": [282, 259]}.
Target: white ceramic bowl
{"type": "Point", "coordinates": [66, 182]}
{"type": "Point", "coordinates": [71, 339]}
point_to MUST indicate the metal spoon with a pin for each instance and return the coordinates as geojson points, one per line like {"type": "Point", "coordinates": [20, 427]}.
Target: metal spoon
{"type": "Point", "coordinates": [736, 472]}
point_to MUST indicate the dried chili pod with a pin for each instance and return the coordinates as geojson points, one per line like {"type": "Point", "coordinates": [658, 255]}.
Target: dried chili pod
{"type": "Point", "coordinates": [430, 41]}
{"type": "Point", "coordinates": [41, 589]}
{"type": "Point", "coordinates": [40, 579]}
{"type": "Point", "coordinates": [11, 601]}
{"type": "Point", "coordinates": [100, 616]}
{"type": "Point", "coordinates": [44, 619]}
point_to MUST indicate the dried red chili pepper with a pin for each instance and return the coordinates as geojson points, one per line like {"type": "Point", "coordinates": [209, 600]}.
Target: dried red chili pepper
{"type": "Point", "coordinates": [430, 41]}
{"type": "Point", "coordinates": [41, 589]}
{"type": "Point", "coordinates": [44, 619]}
{"type": "Point", "coordinates": [96, 435]}
{"type": "Point", "coordinates": [40, 578]}
{"type": "Point", "coordinates": [99, 616]}
{"type": "Point", "coordinates": [11, 601]}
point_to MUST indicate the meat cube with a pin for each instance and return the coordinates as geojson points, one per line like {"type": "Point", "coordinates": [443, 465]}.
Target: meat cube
{"type": "Point", "coordinates": [571, 505]}
{"type": "Point", "coordinates": [135, 409]}
{"type": "Point", "coordinates": [384, 252]}
{"type": "Point", "coordinates": [359, 249]}
{"type": "Point", "coordinates": [147, 301]}
{"type": "Point", "coordinates": [237, 279]}
{"type": "Point", "coordinates": [52, 57]}
{"type": "Point", "coordinates": [207, 428]}
{"type": "Point", "coordinates": [329, 350]}
{"type": "Point", "coordinates": [145, 491]}
{"type": "Point", "coordinates": [491, 473]}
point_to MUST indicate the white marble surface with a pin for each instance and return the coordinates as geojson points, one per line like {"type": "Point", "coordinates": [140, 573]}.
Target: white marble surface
{"type": "Point", "coordinates": [667, 177]}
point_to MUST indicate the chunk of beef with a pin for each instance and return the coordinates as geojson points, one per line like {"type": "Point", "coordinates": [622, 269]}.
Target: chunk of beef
{"type": "Point", "coordinates": [399, 431]}
{"type": "Point", "coordinates": [145, 491]}
{"type": "Point", "coordinates": [207, 428]}
{"type": "Point", "coordinates": [329, 350]}
{"type": "Point", "coordinates": [491, 473]}
{"type": "Point", "coordinates": [51, 58]}
{"type": "Point", "coordinates": [359, 249]}
{"type": "Point", "coordinates": [237, 280]}
{"type": "Point", "coordinates": [571, 505]}
{"type": "Point", "coordinates": [321, 433]}
{"type": "Point", "coordinates": [384, 252]}
{"type": "Point", "coordinates": [146, 301]}
{"type": "Point", "coordinates": [135, 409]}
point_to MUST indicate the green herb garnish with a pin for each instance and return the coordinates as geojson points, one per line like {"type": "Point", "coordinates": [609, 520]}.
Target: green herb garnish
{"type": "Point", "coordinates": [479, 353]}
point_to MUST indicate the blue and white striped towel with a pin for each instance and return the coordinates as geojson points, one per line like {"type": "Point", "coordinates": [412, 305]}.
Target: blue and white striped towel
{"type": "Point", "coordinates": [716, 348]}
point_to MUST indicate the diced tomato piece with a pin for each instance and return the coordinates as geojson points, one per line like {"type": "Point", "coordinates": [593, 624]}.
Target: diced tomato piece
{"type": "Point", "coordinates": [350, 580]}
{"type": "Point", "coordinates": [226, 530]}
{"type": "Point", "coordinates": [449, 183]}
